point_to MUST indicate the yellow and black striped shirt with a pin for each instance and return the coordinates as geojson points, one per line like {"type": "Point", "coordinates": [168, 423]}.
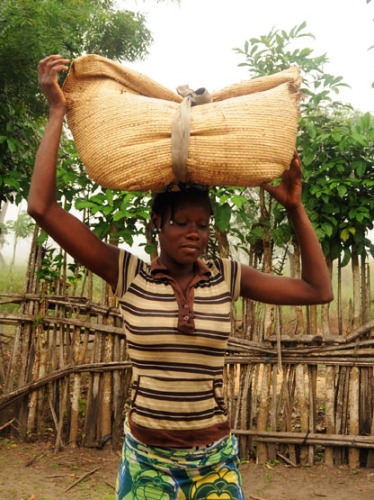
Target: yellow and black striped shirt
{"type": "Point", "coordinates": [177, 344]}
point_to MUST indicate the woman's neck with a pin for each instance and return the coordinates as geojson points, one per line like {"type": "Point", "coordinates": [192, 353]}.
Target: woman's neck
{"type": "Point", "coordinates": [179, 271]}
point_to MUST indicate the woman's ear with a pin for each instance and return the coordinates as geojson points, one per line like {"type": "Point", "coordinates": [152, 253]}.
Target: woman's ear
{"type": "Point", "coordinates": [156, 220]}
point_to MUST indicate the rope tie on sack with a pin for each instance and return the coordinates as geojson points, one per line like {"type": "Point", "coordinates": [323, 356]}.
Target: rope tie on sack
{"type": "Point", "coordinates": [181, 128]}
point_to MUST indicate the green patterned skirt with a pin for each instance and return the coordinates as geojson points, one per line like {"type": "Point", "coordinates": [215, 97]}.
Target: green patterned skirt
{"type": "Point", "coordinates": [157, 473]}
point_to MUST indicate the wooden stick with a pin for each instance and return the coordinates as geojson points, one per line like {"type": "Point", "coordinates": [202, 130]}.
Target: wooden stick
{"type": "Point", "coordinates": [311, 438]}
{"type": "Point", "coordinates": [361, 330]}
{"type": "Point", "coordinates": [34, 459]}
{"type": "Point", "coordinates": [287, 460]}
{"type": "Point", "coordinates": [81, 479]}
{"type": "Point", "coordinates": [54, 416]}
{"type": "Point", "coordinates": [8, 423]}
{"type": "Point", "coordinates": [278, 335]}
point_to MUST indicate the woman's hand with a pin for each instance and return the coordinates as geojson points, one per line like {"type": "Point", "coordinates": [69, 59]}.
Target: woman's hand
{"type": "Point", "coordinates": [47, 76]}
{"type": "Point", "coordinates": [288, 192]}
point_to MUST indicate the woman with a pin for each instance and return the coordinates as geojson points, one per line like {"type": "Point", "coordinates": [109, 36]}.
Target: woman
{"type": "Point", "coordinates": [177, 318]}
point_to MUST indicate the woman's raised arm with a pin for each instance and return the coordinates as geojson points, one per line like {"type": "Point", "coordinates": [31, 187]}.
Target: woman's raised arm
{"type": "Point", "coordinates": [314, 287]}
{"type": "Point", "coordinates": [68, 231]}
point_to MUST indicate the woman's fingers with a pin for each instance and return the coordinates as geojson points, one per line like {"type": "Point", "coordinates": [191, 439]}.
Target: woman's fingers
{"type": "Point", "coordinates": [295, 168]}
{"type": "Point", "coordinates": [52, 65]}
{"type": "Point", "coordinates": [48, 69]}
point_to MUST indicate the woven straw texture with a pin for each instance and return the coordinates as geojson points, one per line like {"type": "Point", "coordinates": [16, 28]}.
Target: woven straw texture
{"type": "Point", "coordinates": [121, 123]}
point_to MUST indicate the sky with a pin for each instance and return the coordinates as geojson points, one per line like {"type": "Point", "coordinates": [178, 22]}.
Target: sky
{"type": "Point", "coordinates": [194, 41]}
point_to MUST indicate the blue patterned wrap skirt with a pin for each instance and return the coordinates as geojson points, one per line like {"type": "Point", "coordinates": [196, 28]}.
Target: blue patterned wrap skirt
{"type": "Point", "coordinates": [199, 473]}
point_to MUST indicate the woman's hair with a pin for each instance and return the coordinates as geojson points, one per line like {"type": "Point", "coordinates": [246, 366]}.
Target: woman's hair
{"type": "Point", "coordinates": [169, 200]}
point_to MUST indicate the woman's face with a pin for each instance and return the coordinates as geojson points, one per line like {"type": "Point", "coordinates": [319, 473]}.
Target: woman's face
{"type": "Point", "coordinates": [183, 239]}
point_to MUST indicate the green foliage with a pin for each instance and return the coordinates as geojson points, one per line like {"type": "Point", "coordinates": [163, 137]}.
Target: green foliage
{"type": "Point", "coordinates": [278, 50]}
{"type": "Point", "coordinates": [272, 463]}
{"type": "Point", "coordinates": [222, 216]}
{"type": "Point", "coordinates": [22, 227]}
{"type": "Point", "coordinates": [50, 268]}
{"type": "Point", "coordinates": [72, 28]}
{"type": "Point", "coordinates": [336, 147]}
{"type": "Point", "coordinates": [233, 213]}
{"type": "Point", "coordinates": [19, 139]}
{"type": "Point", "coordinates": [116, 214]}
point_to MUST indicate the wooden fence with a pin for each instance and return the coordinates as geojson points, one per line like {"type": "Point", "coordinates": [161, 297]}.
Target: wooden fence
{"type": "Point", "coordinates": [65, 374]}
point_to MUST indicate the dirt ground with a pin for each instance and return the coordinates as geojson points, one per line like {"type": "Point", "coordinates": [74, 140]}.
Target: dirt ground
{"type": "Point", "coordinates": [34, 472]}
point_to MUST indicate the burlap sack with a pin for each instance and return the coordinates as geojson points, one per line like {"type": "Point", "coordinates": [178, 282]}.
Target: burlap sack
{"type": "Point", "coordinates": [121, 122]}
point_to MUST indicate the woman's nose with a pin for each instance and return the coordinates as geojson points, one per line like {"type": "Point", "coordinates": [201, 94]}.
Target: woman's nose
{"type": "Point", "coordinates": [192, 230]}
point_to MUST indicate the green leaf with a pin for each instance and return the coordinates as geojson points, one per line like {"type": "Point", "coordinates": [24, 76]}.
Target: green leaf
{"type": "Point", "coordinates": [346, 257]}
{"type": "Point", "coordinates": [238, 200]}
{"type": "Point", "coordinates": [256, 234]}
{"type": "Point", "coordinates": [320, 233]}
{"type": "Point", "coordinates": [325, 244]}
{"type": "Point", "coordinates": [327, 228]}
{"type": "Point", "coordinates": [360, 167]}
{"type": "Point", "coordinates": [82, 204]}
{"type": "Point", "coordinates": [222, 216]}
{"type": "Point", "coordinates": [281, 234]}
{"type": "Point", "coordinates": [365, 120]}
{"type": "Point", "coordinates": [120, 215]}
{"type": "Point", "coordinates": [43, 236]}
{"type": "Point", "coordinates": [341, 190]}
{"type": "Point", "coordinates": [149, 249]}
{"type": "Point", "coordinates": [109, 196]}
{"type": "Point", "coordinates": [11, 181]}
{"type": "Point", "coordinates": [300, 27]}
{"type": "Point", "coordinates": [334, 249]}
{"type": "Point", "coordinates": [344, 235]}
{"type": "Point", "coordinates": [11, 145]}
{"type": "Point", "coordinates": [359, 138]}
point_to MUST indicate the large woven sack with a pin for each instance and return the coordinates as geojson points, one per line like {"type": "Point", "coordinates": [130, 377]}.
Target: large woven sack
{"type": "Point", "coordinates": [121, 122]}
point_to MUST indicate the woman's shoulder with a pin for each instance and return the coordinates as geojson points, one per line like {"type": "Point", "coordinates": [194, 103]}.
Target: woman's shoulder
{"type": "Point", "coordinates": [224, 266]}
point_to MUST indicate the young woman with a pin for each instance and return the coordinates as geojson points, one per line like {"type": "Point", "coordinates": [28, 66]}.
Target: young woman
{"type": "Point", "coordinates": [177, 319]}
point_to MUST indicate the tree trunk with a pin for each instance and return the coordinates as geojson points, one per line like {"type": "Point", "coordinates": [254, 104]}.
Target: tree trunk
{"type": "Point", "coordinates": [300, 322]}
{"type": "Point", "coordinates": [74, 415]}
{"type": "Point", "coordinates": [76, 390]}
{"type": "Point", "coordinates": [330, 411]}
{"type": "Point", "coordinates": [303, 408]}
{"type": "Point", "coordinates": [339, 298]}
{"type": "Point", "coordinates": [312, 320]}
{"type": "Point", "coordinates": [356, 320]}
{"type": "Point", "coordinates": [223, 243]}
{"type": "Point", "coordinates": [325, 320]}
{"type": "Point", "coordinates": [369, 294]}
{"type": "Point", "coordinates": [3, 210]}
{"type": "Point", "coordinates": [354, 416]}
{"type": "Point", "coordinates": [42, 342]}
{"type": "Point", "coordinates": [268, 264]}
{"type": "Point", "coordinates": [2, 361]}
{"type": "Point", "coordinates": [263, 412]}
